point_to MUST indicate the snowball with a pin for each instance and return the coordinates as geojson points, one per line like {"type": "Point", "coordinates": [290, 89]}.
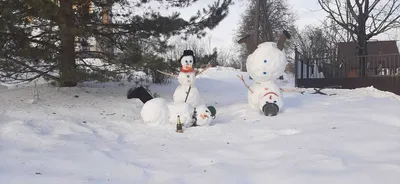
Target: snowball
{"type": "Point", "coordinates": [203, 115]}
{"type": "Point", "coordinates": [155, 112]}
{"type": "Point", "coordinates": [267, 62]}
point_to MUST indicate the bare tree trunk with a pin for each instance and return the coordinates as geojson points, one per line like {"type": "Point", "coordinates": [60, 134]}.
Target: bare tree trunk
{"type": "Point", "coordinates": [67, 71]}
{"type": "Point", "coordinates": [362, 44]}
{"type": "Point", "coordinates": [257, 23]}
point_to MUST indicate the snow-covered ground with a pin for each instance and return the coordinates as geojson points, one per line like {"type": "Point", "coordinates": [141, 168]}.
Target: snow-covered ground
{"type": "Point", "coordinates": [93, 134]}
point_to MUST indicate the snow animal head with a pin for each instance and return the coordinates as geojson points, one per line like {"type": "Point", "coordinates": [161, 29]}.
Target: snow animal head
{"type": "Point", "coordinates": [186, 78]}
{"type": "Point", "coordinates": [187, 60]}
{"type": "Point", "coordinates": [204, 115]}
{"type": "Point", "coordinates": [268, 61]}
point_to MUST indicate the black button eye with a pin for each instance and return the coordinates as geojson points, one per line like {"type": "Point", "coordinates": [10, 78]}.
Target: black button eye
{"type": "Point", "coordinates": [206, 110]}
{"type": "Point", "coordinates": [188, 76]}
{"type": "Point", "coordinates": [186, 61]}
{"type": "Point", "coordinates": [275, 101]}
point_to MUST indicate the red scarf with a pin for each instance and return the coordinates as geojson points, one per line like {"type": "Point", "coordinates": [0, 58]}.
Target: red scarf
{"type": "Point", "coordinates": [186, 71]}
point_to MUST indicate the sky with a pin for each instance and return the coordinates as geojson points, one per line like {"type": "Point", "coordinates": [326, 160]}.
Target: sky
{"type": "Point", "coordinates": [308, 12]}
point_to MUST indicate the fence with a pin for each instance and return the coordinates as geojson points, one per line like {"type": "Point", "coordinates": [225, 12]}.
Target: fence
{"type": "Point", "coordinates": [332, 71]}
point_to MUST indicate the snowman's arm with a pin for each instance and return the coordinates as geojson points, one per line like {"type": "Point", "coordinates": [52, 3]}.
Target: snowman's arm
{"type": "Point", "coordinates": [247, 86]}
{"type": "Point", "coordinates": [207, 67]}
{"type": "Point", "coordinates": [169, 74]}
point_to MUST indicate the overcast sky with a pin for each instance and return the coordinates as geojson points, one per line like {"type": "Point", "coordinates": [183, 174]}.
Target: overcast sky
{"type": "Point", "coordinates": [308, 12]}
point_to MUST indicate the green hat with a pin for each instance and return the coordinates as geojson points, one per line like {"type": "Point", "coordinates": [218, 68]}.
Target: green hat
{"type": "Point", "coordinates": [212, 110]}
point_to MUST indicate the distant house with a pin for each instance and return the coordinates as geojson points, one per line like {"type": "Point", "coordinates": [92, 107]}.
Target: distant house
{"type": "Point", "coordinates": [383, 58]}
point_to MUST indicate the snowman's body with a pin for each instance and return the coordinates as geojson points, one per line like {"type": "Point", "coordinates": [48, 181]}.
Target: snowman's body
{"type": "Point", "coordinates": [265, 65]}
{"type": "Point", "coordinates": [187, 85]}
{"type": "Point", "coordinates": [158, 112]}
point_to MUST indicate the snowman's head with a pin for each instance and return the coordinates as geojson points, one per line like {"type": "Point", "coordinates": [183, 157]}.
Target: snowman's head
{"type": "Point", "coordinates": [186, 78]}
{"type": "Point", "coordinates": [205, 115]}
{"type": "Point", "coordinates": [266, 63]}
{"type": "Point", "coordinates": [187, 60]}
{"type": "Point", "coordinates": [270, 101]}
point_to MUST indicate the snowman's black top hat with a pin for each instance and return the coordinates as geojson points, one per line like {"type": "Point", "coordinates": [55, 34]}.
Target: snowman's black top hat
{"type": "Point", "coordinates": [188, 53]}
{"type": "Point", "coordinates": [140, 93]}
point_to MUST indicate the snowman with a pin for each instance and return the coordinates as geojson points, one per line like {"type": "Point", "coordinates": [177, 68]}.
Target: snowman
{"type": "Point", "coordinates": [159, 112]}
{"type": "Point", "coordinates": [265, 65]}
{"type": "Point", "coordinates": [186, 90]}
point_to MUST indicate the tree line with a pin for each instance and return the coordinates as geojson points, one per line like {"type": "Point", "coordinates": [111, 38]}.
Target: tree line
{"type": "Point", "coordinates": [347, 21]}
{"type": "Point", "coordinates": [69, 41]}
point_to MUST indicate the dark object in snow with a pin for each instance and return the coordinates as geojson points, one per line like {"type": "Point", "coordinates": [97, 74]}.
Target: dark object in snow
{"type": "Point", "coordinates": [318, 91]}
{"type": "Point", "coordinates": [83, 121]}
{"type": "Point", "coordinates": [212, 110]}
{"type": "Point", "coordinates": [187, 93]}
{"type": "Point", "coordinates": [270, 109]}
{"type": "Point", "coordinates": [38, 173]}
{"type": "Point", "coordinates": [179, 128]}
{"type": "Point", "coordinates": [76, 96]}
{"type": "Point", "coordinates": [140, 93]}
{"type": "Point", "coordinates": [194, 119]}
{"type": "Point", "coordinates": [282, 39]}
{"type": "Point", "coordinates": [188, 53]}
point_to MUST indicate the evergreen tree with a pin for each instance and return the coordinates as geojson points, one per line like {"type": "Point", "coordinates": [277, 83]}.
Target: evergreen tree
{"type": "Point", "coordinates": [52, 38]}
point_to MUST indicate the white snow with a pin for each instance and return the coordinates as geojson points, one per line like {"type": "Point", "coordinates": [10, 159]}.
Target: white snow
{"type": "Point", "coordinates": [99, 137]}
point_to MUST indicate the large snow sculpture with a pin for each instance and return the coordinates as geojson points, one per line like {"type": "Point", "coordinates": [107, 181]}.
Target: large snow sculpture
{"type": "Point", "coordinates": [265, 65]}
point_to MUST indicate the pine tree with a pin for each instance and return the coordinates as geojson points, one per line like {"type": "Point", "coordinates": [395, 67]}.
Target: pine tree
{"type": "Point", "coordinates": [52, 39]}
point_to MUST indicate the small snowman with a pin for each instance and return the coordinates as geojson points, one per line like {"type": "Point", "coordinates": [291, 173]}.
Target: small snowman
{"type": "Point", "coordinates": [265, 65]}
{"type": "Point", "coordinates": [186, 90]}
{"type": "Point", "coordinates": [159, 112]}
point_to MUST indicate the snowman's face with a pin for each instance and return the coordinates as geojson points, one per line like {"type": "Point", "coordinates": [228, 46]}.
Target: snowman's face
{"type": "Point", "coordinates": [203, 116]}
{"type": "Point", "coordinates": [270, 96]}
{"type": "Point", "coordinates": [267, 62]}
{"type": "Point", "coordinates": [187, 62]}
